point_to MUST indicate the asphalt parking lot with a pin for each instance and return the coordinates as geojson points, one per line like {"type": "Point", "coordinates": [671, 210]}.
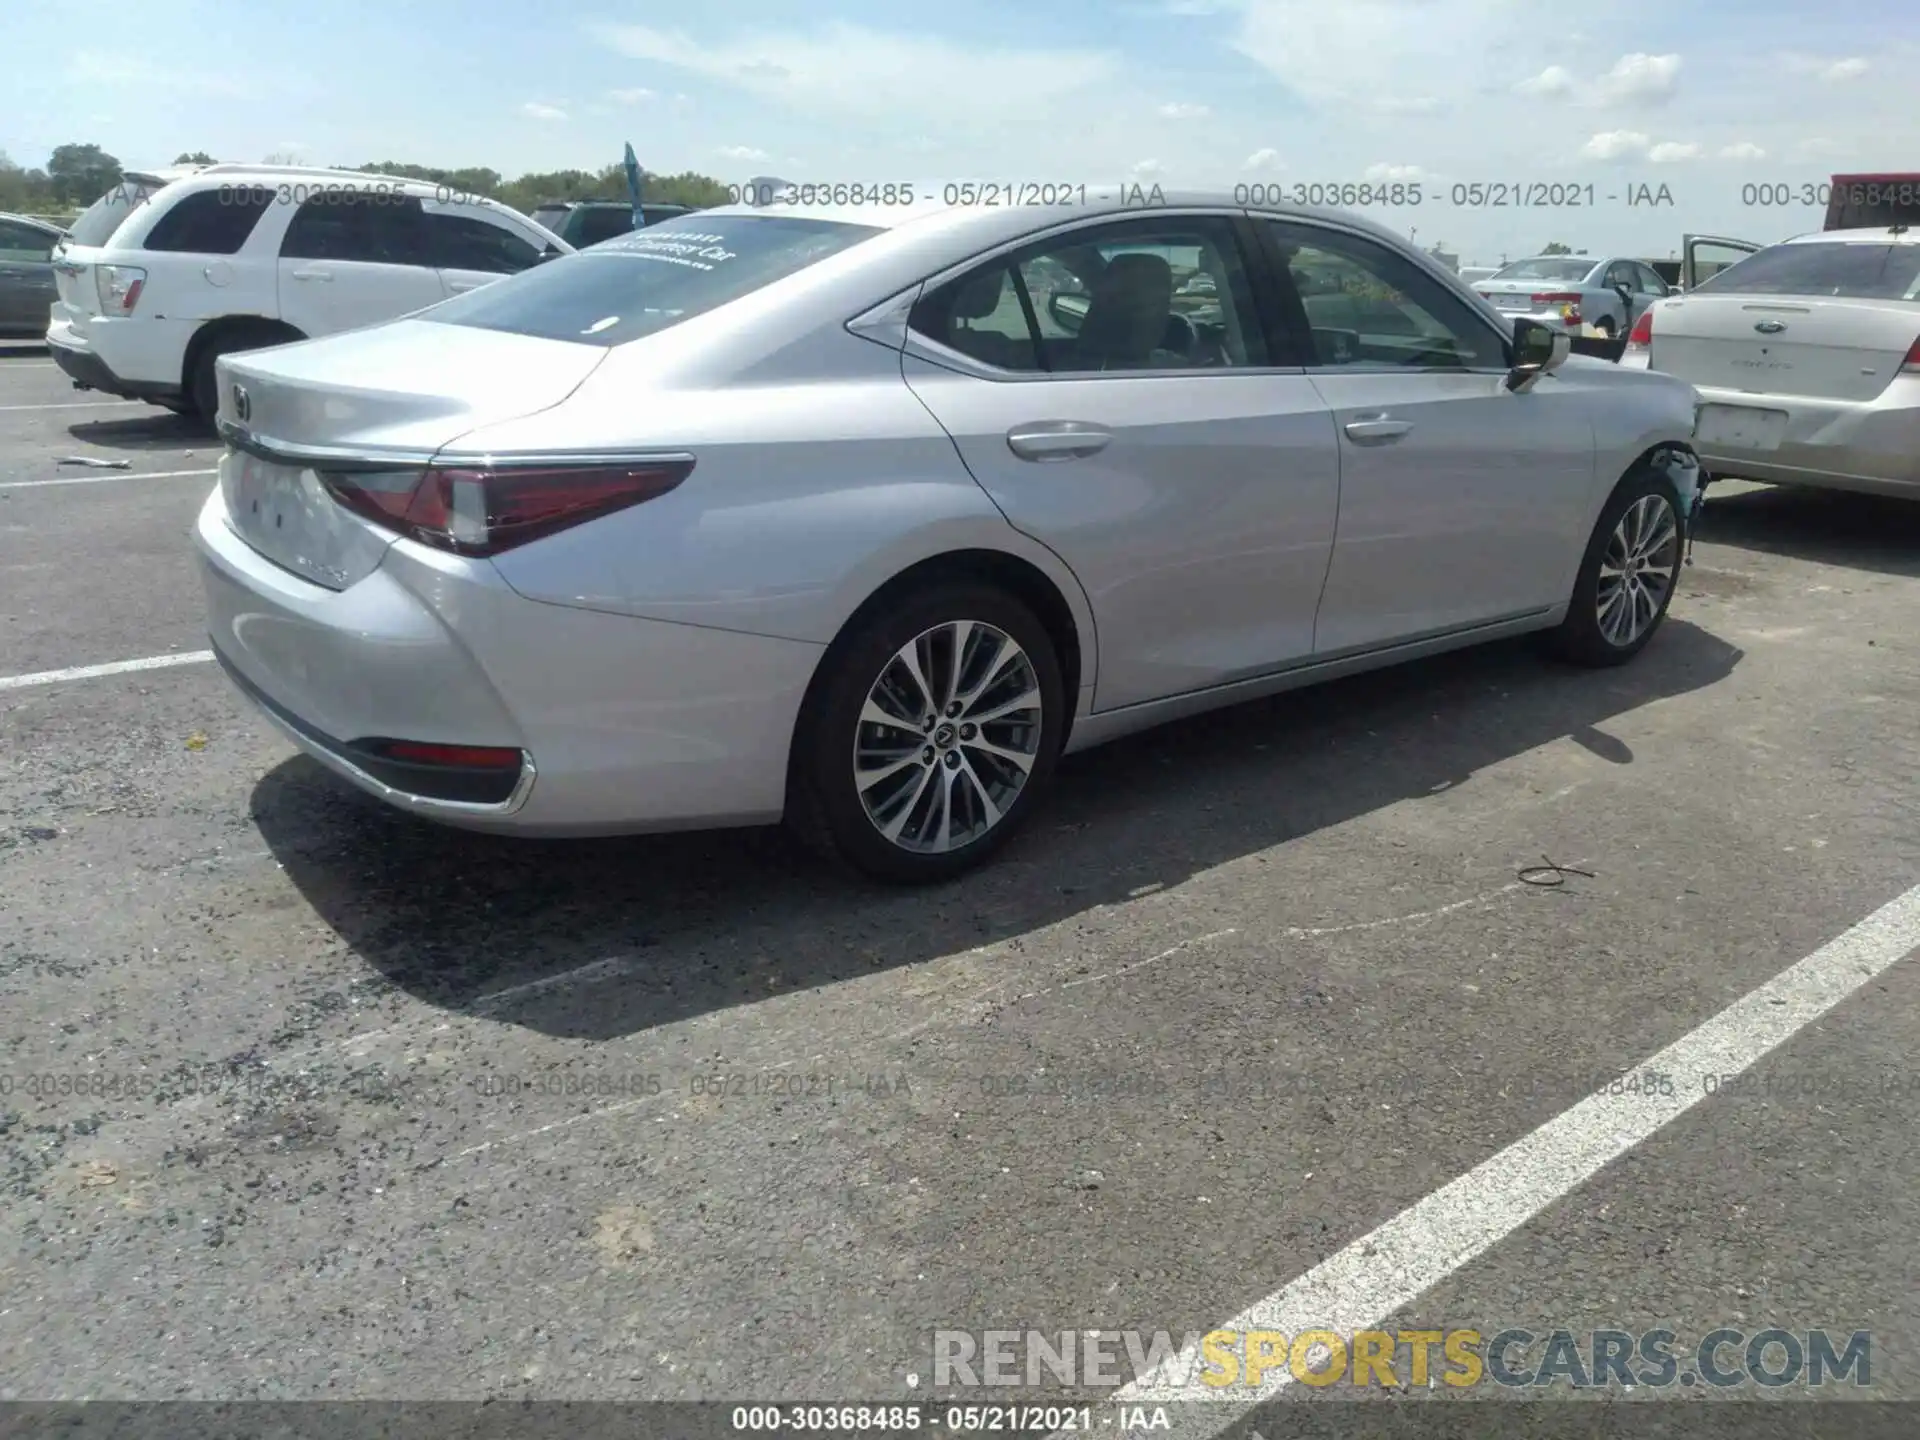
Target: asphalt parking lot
{"type": "Point", "coordinates": [306, 1099]}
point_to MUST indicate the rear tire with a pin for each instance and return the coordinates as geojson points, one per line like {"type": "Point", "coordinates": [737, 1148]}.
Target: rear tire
{"type": "Point", "coordinates": [202, 385]}
{"type": "Point", "coordinates": [1628, 575]}
{"type": "Point", "coordinates": [944, 779]}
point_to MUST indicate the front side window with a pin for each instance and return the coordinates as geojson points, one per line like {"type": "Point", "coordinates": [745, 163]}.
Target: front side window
{"type": "Point", "coordinates": [1831, 269]}
{"type": "Point", "coordinates": [1366, 306]}
{"type": "Point", "coordinates": [210, 222]}
{"type": "Point", "coordinates": [647, 280]}
{"type": "Point", "coordinates": [1135, 295]}
{"type": "Point", "coordinates": [1650, 281]}
{"type": "Point", "coordinates": [373, 227]}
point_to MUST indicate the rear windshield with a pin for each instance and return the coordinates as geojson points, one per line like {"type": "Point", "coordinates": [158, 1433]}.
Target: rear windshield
{"type": "Point", "coordinates": [100, 219]}
{"type": "Point", "coordinates": [1544, 270]}
{"type": "Point", "coordinates": [647, 280]}
{"type": "Point", "coordinates": [1833, 268]}
{"type": "Point", "coordinates": [550, 217]}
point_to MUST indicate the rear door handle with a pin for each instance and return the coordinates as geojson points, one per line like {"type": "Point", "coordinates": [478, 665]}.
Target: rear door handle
{"type": "Point", "coordinates": [1057, 440]}
{"type": "Point", "coordinates": [1369, 429]}
{"type": "Point", "coordinates": [313, 275]}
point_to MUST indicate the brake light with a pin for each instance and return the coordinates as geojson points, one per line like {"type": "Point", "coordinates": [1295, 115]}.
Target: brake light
{"type": "Point", "coordinates": [1912, 363]}
{"type": "Point", "coordinates": [1567, 301]}
{"type": "Point", "coordinates": [119, 287]}
{"type": "Point", "coordinates": [1641, 336]}
{"type": "Point", "coordinates": [483, 511]}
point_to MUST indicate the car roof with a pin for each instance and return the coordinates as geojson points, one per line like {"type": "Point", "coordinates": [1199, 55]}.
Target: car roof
{"type": "Point", "coordinates": [987, 224]}
{"type": "Point", "coordinates": [1875, 235]}
{"type": "Point", "coordinates": [35, 221]}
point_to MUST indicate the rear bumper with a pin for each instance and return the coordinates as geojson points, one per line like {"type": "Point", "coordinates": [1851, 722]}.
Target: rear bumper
{"type": "Point", "coordinates": [623, 724]}
{"type": "Point", "coordinates": [73, 351]}
{"type": "Point", "coordinates": [1871, 446]}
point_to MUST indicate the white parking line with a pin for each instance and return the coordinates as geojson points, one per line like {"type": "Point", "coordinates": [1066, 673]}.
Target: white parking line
{"type": "Point", "coordinates": [102, 479]}
{"type": "Point", "coordinates": [1383, 1272]}
{"type": "Point", "coordinates": [76, 405]}
{"type": "Point", "coordinates": [117, 667]}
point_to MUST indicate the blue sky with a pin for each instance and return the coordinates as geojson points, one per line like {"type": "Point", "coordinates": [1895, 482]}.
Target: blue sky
{"type": "Point", "coordinates": [1701, 96]}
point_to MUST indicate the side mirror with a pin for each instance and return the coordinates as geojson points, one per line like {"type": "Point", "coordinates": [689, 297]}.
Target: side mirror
{"type": "Point", "coordinates": [1537, 350]}
{"type": "Point", "coordinates": [1069, 311]}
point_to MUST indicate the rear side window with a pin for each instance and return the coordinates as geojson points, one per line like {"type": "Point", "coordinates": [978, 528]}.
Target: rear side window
{"type": "Point", "coordinates": [551, 217]}
{"type": "Point", "coordinates": [1833, 269]}
{"type": "Point", "coordinates": [375, 227]}
{"type": "Point", "coordinates": [106, 215]}
{"type": "Point", "coordinates": [24, 243]}
{"type": "Point", "coordinates": [645, 281]}
{"type": "Point", "coordinates": [462, 242]}
{"type": "Point", "coordinates": [210, 222]}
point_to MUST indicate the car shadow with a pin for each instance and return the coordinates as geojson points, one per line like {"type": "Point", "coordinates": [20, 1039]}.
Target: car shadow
{"type": "Point", "coordinates": [1832, 527]}
{"type": "Point", "coordinates": [156, 430]}
{"type": "Point", "coordinates": [700, 922]}
{"type": "Point", "coordinates": [22, 349]}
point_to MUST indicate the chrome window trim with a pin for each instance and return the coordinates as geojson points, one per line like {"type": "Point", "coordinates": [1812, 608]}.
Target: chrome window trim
{"type": "Point", "coordinates": [380, 457]}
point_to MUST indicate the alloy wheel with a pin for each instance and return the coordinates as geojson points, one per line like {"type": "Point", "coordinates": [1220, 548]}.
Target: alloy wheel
{"type": "Point", "coordinates": [1638, 570]}
{"type": "Point", "coordinates": [947, 737]}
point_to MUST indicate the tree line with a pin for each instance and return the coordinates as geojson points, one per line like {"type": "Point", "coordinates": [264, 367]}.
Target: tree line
{"type": "Point", "coordinates": [76, 175]}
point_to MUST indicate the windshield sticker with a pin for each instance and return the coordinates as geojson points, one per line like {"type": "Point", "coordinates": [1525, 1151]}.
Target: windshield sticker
{"type": "Point", "coordinates": [701, 252]}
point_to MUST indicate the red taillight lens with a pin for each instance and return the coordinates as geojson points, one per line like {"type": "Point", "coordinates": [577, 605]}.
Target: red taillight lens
{"type": "Point", "coordinates": [486, 511]}
{"type": "Point", "coordinates": [1557, 297]}
{"type": "Point", "coordinates": [470, 757]}
{"type": "Point", "coordinates": [1912, 362]}
{"type": "Point", "coordinates": [1641, 335]}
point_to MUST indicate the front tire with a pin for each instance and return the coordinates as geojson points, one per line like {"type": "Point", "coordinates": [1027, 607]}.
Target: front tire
{"type": "Point", "coordinates": [929, 736]}
{"type": "Point", "coordinates": [1628, 575]}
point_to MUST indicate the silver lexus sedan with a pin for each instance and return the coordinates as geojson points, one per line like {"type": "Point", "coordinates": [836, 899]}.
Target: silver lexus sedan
{"type": "Point", "coordinates": [862, 517]}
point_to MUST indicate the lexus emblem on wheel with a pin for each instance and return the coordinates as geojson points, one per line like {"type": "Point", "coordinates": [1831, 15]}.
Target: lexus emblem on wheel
{"type": "Point", "coordinates": [242, 406]}
{"type": "Point", "coordinates": [1770, 327]}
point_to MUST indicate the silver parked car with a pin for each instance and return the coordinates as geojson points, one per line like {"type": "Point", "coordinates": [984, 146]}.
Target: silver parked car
{"type": "Point", "coordinates": [862, 519]}
{"type": "Point", "coordinates": [1569, 291]}
{"type": "Point", "coordinates": [1807, 360]}
{"type": "Point", "coordinates": [27, 289]}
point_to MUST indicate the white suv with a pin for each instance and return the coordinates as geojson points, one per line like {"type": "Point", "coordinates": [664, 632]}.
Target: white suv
{"type": "Point", "coordinates": [169, 271]}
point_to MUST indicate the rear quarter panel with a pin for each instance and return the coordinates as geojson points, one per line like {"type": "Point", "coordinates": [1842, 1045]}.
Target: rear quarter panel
{"type": "Point", "coordinates": [807, 496]}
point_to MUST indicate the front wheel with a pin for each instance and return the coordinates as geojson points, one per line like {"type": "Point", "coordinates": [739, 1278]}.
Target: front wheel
{"type": "Point", "coordinates": [930, 735]}
{"type": "Point", "coordinates": [1628, 575]}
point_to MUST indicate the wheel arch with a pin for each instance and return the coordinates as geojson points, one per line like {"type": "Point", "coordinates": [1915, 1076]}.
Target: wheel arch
{"type": "Point", "coordinates": [1069, 625]}
{"type": "Point", "coordinates": [220, 329]}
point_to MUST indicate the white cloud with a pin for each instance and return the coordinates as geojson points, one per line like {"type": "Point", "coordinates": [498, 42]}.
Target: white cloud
{"type": "Point", "coordinates": [816, 70]}
{"type": "Point", "coordinates": [534, 110]}
{"type": "Point", "coordinates": [1358, 50]}
{"type": "Point", "coordinates": [1551, 83]}
{"type": "Point", "coordinates": [1833, 70]}
{"type": "Point", "coordinates": [744, 152]}
{"type": "Point", "coordinates": [1192, 7]}
{"type": "Point", "coordinates": [1180, 110]}
{"type": "Point", "coordinates": [131, 72]}
{"type": "Point", "coordinates": [1406, 104]}
{"type": "Point", "coordinates": [632, 96]}
{"type": "Point", "coordinates": [1265, 158]}
{"type": "Point", "coordinates": [1617, 145]}
{"type": "Point", "coordinates": [1639, 79]}
{"type": "Point", "coordinates": [1394, 172]}
{"type": "Point", "coordinates": [1670, 152]}
{"type": "Point", "coordinates": [1144, 168]}
{"type": "Point", "coordinates": [1819, 147]}
{"type": "Point", "coordinates": [1744, 150]}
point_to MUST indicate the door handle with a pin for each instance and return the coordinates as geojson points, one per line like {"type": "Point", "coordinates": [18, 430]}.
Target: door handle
{"type": "Point", "coordinates": [1057, 440]}
{"type": "Point", "coordinates": [1368, 428]}
{"type": "Point", "coordinates": [313, 275]}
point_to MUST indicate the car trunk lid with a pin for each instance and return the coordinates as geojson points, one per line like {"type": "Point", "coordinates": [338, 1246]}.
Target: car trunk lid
{"type": "Point", "coordinates": [367, 401]}
{"type": "Point", "coordinates": [1830, 349]}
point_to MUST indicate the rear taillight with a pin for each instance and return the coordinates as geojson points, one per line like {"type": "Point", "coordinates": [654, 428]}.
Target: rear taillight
{"type": "Point", "coordinates": [1912, 363]}
{"type": "Point", "coordinates": [1566, 302]}
{"type": "Point", "coordinates": [119, 287]}
{"type": "Point", "coordinates": [486, 511]}
{"type": "Point", "coordinates": [1641, 336]}
{"type": "Point", "coordinates": [464, 757]}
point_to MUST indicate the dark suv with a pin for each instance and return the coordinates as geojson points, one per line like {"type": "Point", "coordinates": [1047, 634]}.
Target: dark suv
{"type": "Point", "coordinates": [587, 222]}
